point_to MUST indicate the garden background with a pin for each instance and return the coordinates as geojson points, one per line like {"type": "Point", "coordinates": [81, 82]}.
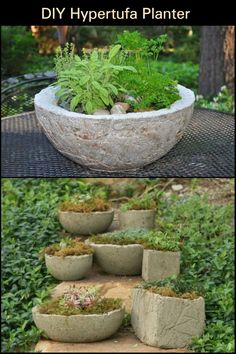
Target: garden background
{"type": "Point", "coordinates": [201, 209]}
{"type": "Point", "coordinates": [198, 57]}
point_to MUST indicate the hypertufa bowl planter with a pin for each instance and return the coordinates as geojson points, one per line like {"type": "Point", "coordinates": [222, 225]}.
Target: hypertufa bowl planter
{"type": "Point", "coordinates": [166, 322]}
{"type": "Point", "coordinates": [158, 265]}
{"type": "Point", "coordinates": [119, 259]}
{"type": "Point", "coordinates": [114, 142]}
{"type": "Point", "coordinates": [78, 328]}
{"type": "Point", "coordinates": [86, 223]}
{"type": "Point", "coordinates": [69, 267]}
{"type": "Point", "coordinates": [137, 219]}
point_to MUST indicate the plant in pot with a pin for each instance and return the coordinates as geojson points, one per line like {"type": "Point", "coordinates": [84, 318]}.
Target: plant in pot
{"type": "Point", "coordinates": [119, 252]}
{"type": "Point", "coordinates": [70, 259]}
{"type": "Point", "coordinates": [161, 255]}
{"type": "Point", "coordinates": [79, 315]}
{"type": "Point", "coordinates": [167, 314]}
{"type": "Point", "coordinates": [111, 110]}
{"type": "Point", "coordinates": [85, 216]}
{"type": "Point", "coordinates": [138, 213]}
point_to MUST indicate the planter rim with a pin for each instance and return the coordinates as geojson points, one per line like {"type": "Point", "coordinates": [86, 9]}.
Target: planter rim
{"type": "Point", "coordinates": [136, 210]}
{"type": "Point", "coordinates": [47, 100]}
{"type": "Point", "coordinates": [71, 257]}
{"type": "Point", "coordinates": [111, 244]}
{"type": "Point", "coordinates": [83, 213]}
{"type": "Point", "coordinates": [163, 251]}
{"type": "Point", "coordinates": [35, 309]}
{"type": "Point", "coordinates": [169, 297]}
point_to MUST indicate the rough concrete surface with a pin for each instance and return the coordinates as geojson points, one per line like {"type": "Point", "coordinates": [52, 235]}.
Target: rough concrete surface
{"type": "Point", "coordinates": [166, 322]}
{"type": "Point", "coordinates": [119, 259]}
{"type": "Point", "coordinates": [79, 328]}
{"type": "Point", "coordinates": [69, 267]}
{"type": "Point", "coordinates": [114, 142]}
{"type": "Point", "coordinates": [86, 223]}
{"type": "Point", "coordinates": [158, 265]}
{"type": "Point", "coordinates": [140, 219]}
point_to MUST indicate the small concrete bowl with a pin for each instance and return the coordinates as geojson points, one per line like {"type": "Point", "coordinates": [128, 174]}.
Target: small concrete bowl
{"type": "Point", "coordinates": [140, 219]}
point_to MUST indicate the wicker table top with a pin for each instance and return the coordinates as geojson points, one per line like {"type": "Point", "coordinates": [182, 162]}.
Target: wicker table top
{"type": "Point", "coordinates": [206, 150]}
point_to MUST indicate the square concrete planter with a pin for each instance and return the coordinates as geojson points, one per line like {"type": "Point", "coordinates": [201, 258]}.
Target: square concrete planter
{"type": "Point", "coordinates": [69, 267]}
{"type": "Point", "coordinates": [158, 265]}
{"type": "Point", "coordinates": [78, 328]}
{"type": "Point", "coordinates": [86, 223]}
{"type": "Point", "coordinates": [113, 142]}
{"type": "Point", "coordinates": [166, 322]}
{"type": "Point", "coordinates": [140, 219]}
{"type": "Point", "coordinates": [119, 259]}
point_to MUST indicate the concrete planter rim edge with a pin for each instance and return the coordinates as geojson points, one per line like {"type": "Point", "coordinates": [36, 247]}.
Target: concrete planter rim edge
{"type": "Point", "coordinates": [69, 257]}
{"type": "Point", "coordinates": [113, 245]}
{"type": "Point", "coordinates": [47, 96]}
{"type": "Point", "coordinates": [169, 297]}
{"type": "Point", "coordinates": [87, 213]}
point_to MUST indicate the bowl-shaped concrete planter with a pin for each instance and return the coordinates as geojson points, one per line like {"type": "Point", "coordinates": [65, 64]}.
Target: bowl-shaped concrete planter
{"type": "Point", "coordinates": [86, 223]}
{"type": "Point", "coordinates": [69, 267]}
{"type": "Point", "coordinates": [119, 259]}
{"type": "Point", "coordinates": [78, 328]}
{"type": "Point", "coordinates": [166, 322]}
{"type": "Point", "coordinates": [158, 265]}
{"type": "Point", "coordinates": [137, 219]}
{"type": "Point", "coordinates": [114, 142]}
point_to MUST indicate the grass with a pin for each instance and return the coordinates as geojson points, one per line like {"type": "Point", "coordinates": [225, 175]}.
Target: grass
{"type": "Point", "coordinates": [68, 248]}
{"type": "Point", "coordinates": [87, 206]}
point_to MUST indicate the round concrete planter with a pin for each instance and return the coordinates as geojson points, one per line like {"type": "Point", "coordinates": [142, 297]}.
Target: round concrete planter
{"type": "Point", "coordinates": [119, 260]}
{"type": "Point", "coordinates": [78, 328]}
{"type": "Point", "coordinates": [166, 322]}
{"type": "Point", "coordinates": [114, 142]}
{"type": "Point", "coordinates": [140, 219]}
{"type": "Point", "coordinates": [86, 223]}
{"type": "Point", "coordinates": [69, 267]}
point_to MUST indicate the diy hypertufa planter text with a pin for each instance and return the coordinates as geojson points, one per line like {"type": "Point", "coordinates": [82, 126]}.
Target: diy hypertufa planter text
{"type": "Point", "coordinates": [124, 12]}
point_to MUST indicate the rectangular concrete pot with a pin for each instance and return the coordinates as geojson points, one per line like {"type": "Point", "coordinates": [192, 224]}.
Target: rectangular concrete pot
{"type": "Point", "coordinates": [137, 219]}
{"type": "Point", "coordinates": [158, 265]}
{"type": "Point", "coordinates": [166, 322]}
{"type": "Point", "coordinates": [119, 259]}
{"type": "Point", "coordinates": [78, 328]}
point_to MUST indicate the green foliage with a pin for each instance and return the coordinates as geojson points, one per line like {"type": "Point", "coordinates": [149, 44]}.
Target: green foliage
{"type": "Point", "coordinates": [207, 263]}
{"type": "Point", "coordinates": [146, 202]}
{"type": "Point", "coordinates": [29, 222]}
{"type": "Point", "coordinates": [91, 81]}
{"type": "Point", "coordinates": [223, 102]}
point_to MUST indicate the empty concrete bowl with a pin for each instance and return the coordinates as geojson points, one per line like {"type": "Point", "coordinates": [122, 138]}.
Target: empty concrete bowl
{"type": "Point", "coordinates": [86, 223]}
{"type": "Point", "coordinates": [113, 142]}
{"type": "Point", "coordinates": [69, 267]}
{"type": "Point", "coordinates": [78, 328]}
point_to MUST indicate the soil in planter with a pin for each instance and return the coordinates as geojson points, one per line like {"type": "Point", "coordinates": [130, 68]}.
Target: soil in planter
{"type": "Point", "coordinates": [69, 248]}
{"type": "Point", "coordinates": [88, 206]}
{"type": "Point", "coordinates": [57, 307]}
{"type": "Point", "coordinates": [171, 293]}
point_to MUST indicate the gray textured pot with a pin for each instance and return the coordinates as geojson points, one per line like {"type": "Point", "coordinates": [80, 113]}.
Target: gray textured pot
{"type": "Point", "coordinates": [158, 265]}
{"type": "Point", "coordinates": [69, 267]}
{"type": "Point", "coordinates": [166, 322]}
{"type": "Point", "coordinates": [114, 142]}
{"type": "Point", "coordinates": [78, 328]}
{"type": "Point", "coordinates": [86, 223]}
{"type": "Point", "coordinates": [137, 219]}
{"type": "Point", "coordinates": [119, 260]}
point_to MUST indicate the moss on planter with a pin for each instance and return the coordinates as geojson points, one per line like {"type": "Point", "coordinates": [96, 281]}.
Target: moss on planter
{"type": "Point", "coordinates": [88, 206]}
{"type": "Point", "coordinates": [153, 239]}
{"type": "Point", "coordinates": [57, 307]}
{"type": "Point", "coordinates": [172, 287]}
{"type": "Point", "coordinates": [68, 247]}
{"type": "Point", "coordinates": [144, 203]}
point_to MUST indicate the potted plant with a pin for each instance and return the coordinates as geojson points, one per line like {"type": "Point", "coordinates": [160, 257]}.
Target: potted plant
{"type": "Point", "coordinates": [161, 255]}
{"type": "Point", "coordinates": [167, 314]}
{"type": "Point", "coordinates": [119, 252]}
{"type": "Point", "coordinates": [85, 217]}
{"type": "Point", "coordinates": [79, 315]}
{"type": "Point", "coordinates": [113, 110]}
{"type": "Point", "coordinates": [138, 213]}
{"type": "Point", "coordinates": [68, 260]}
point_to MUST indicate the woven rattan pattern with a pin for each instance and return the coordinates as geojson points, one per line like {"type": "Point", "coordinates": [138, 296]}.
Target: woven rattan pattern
{"type": "Point", "coordinates": [206, 150]}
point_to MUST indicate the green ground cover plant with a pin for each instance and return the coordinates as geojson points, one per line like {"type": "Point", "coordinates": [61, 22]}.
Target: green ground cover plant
{"type": "Point", "coordinates": [29, 221]}
{"type": "Point", "coordinates": [146, 202]}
